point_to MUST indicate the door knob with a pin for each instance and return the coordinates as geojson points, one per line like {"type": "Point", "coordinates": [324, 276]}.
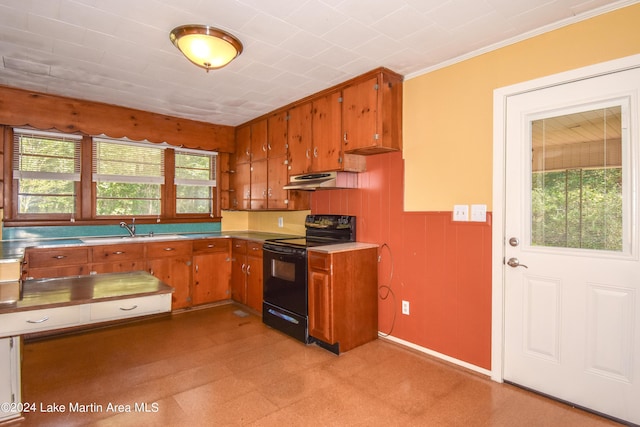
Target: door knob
{"type": "Point", "coordinates": [514, 241]}
{"type": "Point", "coordinates": [514, 262]}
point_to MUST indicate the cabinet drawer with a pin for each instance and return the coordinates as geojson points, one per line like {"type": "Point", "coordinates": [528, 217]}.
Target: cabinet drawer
{"type": "Point", "coordinates": [239, 246]}
{"type": "Point", "coordinates": [210, 245]}
{"type": "Point", "coordinates": [55, 257]}
{"type": "Point", "coordinates": [114, 253]}
{"type": "Point", "coordinates": [254, 249]}
{"type": "Point", "coordinates": [319, 261]}
{"type": "Point", "coordinates": [24, 322]}
{"type": "Point", "coordinates": [168, 249]}
{"type": "Point", "coordinates": [130, 307]}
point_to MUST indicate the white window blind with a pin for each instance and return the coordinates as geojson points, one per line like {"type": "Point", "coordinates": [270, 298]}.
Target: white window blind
{"type": "Point", "coordinates": [125, 161]}
{"type": "Point", "coordinates": [46, 155]}
{"type": "Point", "coordinates": [195, 167]}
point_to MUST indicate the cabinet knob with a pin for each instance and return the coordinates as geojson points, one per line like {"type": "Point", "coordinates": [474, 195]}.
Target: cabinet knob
{"type": "Point", "coordinates": [59, 257]}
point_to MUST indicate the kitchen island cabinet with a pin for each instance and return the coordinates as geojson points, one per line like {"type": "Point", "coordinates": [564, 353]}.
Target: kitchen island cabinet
{"type": "Point", "coordinates": [9, 377]}
{"type": "Point", "coordinates": [343, 297]}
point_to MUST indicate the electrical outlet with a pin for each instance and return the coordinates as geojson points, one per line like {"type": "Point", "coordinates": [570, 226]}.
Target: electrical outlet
{"type": "Point", "coordinates": [479, 213]}
{"type": "Point", "coordinates": [405, 307]}
{"type": "Point", "coordinates": [461, 212]}
{"type": "Point", "coordinates": [280, 222]}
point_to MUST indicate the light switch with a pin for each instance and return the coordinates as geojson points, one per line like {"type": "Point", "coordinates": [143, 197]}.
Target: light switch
{"type": "Point", "coordinates": [479, 213]}
{"type": "Point", "coordinates": [461, 212]}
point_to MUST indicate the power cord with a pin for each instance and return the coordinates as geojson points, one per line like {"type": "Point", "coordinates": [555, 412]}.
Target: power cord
{"type": "Point", "coordinates": [387, 288]}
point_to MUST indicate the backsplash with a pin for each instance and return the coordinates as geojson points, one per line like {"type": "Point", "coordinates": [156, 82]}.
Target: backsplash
{"type": "Point", "coordinates": [61, 232]}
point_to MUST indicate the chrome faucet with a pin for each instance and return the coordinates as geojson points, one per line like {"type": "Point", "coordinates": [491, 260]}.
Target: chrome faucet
{"type": "Point", "coordinates": [131, 229]}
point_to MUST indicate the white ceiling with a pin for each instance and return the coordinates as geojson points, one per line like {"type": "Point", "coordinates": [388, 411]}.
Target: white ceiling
{"type": "Point", "coordinates": [118, 51]}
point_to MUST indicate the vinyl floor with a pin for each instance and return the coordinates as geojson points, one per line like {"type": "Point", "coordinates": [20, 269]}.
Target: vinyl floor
{"type": "Point", "coordinates": [211, 367]}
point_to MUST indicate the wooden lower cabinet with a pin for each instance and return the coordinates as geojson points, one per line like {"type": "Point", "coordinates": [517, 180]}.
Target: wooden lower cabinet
{"type": "Point", "coordinates": [246, 273]}
{"type": "Point", "coordinates": [343, 298]}
{"type": "Point", "coordinates": [117, 258]}
{"type": "Point", "coordinates": [211, 271]}
{"type": "Point", "coordinates": [44, 263]}
{"type": "Point", "coordinates": [199, 270]}
{"type": "Point", "coordinates": [171, 263]}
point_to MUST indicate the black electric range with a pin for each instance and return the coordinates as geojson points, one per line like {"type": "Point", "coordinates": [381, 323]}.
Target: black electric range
{"type": "Point", "coordinates": [285, 302]}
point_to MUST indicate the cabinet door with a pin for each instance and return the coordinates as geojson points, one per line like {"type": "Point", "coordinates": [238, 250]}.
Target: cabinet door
{"type": "Point", "coordinates": [360, 115]}
{"type": "Point", "coordinates": [211, 277]}
{"type": "Point", "coordinates": [277, 178]}
{"type": "Point", "coordinates": [243, 144]}
{"type": "Point", "coordinates": [277, 135]}
{"type": "Point", "coordinates": [299, 139]}
{"type": "Point", "coordinates": [9, 376]}
{"type": "Point", "coordinates": [259, 143]}
{"type": "Point", "coordinates": [242, 186]}
{"type": "Point", "coordinates": [238, 270]}
{"type": "Point", "coordinates": [175, 272]}
{"type": "Point", "coordinates": [254, 276]}
{"type": "Point", "coordinates": [326, 133]}
{"type": "Point", "coordinates": [320, 306]}
{"type": "Point", "coordinates": [259, 173]}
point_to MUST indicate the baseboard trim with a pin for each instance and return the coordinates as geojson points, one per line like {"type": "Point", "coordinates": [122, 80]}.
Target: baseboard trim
{"type": "Point", "coordinates": [435, 354]}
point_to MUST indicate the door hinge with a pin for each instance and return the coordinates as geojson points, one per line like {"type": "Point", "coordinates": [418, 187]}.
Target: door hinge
{"type": "Point", "coordinates": [13, 398]}
{"type": "Point", "coordinates": [376, 136]}
{"type": "Point", "coordinates": [10, 342]}
{"type": "Point", "coordinates": [340, 100]}
{"type": "Point", "coordinates": [376, 86]}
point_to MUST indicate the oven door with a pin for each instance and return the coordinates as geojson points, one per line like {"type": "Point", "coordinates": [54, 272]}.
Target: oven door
{"type": "Point", "coordinates": [285, 278]}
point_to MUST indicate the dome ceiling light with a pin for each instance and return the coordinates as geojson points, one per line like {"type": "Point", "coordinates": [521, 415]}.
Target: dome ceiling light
{"type": "Point", "coordinates": [205, 46]}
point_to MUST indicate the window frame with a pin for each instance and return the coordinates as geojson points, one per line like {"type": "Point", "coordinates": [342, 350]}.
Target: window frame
{"type": "Point", "coordinates": [214, 188]}
{"type": "Point", "coordinates": [85, 213]}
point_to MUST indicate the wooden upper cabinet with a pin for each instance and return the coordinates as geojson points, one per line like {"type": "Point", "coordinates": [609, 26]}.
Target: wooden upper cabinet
{"type": "Point", "coordinates": [326, 133]}
{"type": "Point", "coordinates": [241, 196]}
{"type": "Point", "coordinates": [243, 144]}
{"type": "Point", "coordinates": [258, 186]}
{"type": "Point", "coordinates": [259, 143]}
{"type": "Point", "coordinates": [372, 114]}
{"type": "Point", "coordinates": [299, 139]}
{"type": "Point", "coordinates": [277, 134]}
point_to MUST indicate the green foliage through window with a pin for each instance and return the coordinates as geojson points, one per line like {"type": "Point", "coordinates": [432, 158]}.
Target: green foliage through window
{"type": "Point", "coordinates": [578, 208]}
{"type": "Point", "coordinates": [46, 167]}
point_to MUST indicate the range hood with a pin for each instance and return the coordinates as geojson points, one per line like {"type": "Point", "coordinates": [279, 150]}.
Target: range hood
{"type": "Point", "coordinates": [323, 181]}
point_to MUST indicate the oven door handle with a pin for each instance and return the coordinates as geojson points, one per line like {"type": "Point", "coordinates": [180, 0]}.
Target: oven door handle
{"type": "Point", "coordinates": [283, 316]}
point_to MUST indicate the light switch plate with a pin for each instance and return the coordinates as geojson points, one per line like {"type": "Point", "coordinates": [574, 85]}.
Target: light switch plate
{"type": "Point", "coordinates": [461, 212]}
{"type": "Point", "coordinates": [479, 213]}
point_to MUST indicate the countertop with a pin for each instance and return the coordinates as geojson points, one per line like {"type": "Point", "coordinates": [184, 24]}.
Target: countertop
{"type": "Point", "coordinates": [342, 247]}
{"type": "Point", "coordinates": [65, 291]}
{"type": "Point", "coordinates": [13, 250]}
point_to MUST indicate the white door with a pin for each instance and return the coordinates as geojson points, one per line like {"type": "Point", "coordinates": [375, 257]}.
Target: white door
{"type": "Point", "coordinates": [572, 271]}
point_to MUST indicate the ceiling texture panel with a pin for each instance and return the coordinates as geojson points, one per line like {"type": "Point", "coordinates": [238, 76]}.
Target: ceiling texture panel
{"type": "Point", "coordinates": [118, 51]}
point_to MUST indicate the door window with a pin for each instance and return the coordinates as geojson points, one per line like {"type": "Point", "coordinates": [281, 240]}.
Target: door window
{"type": "Point", "coordinates": [577, 180]}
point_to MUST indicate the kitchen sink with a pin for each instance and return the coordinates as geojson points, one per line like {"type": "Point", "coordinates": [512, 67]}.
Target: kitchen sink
{"type": "Point", "coordinates": [129, 239]}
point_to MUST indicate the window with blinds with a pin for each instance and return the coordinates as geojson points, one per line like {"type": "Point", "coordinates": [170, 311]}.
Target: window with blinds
{"type": "Point", "coordinates": [195, 180]}
{"type": "Point", "coordinates": [46, 166]}
{"type": "Point", "coordinates": [128, 177]}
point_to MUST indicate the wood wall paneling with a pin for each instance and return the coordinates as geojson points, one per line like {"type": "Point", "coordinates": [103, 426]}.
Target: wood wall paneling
{"type": "Point", "coordinates": [42, 111]}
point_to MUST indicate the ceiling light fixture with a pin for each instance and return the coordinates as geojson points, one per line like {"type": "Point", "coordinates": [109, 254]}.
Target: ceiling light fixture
{"type": "Point", "coordinates": [205, 46]}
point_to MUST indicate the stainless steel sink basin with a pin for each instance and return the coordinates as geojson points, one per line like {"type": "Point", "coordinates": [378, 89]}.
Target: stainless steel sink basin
{"type": "Point", "coordinates": [129, 239]}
